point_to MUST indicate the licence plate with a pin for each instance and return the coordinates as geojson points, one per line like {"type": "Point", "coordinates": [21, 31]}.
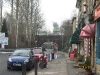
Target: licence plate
{"type": "Point", "coordinates": [16, 64]}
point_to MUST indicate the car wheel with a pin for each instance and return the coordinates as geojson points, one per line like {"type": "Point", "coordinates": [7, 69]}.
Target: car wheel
{"type": "Point", "coordinates": [45, 65]}
{"type": "Point", "coordinates": [29, 69]}
{"type": "Point", "coordinates": [8, 68]}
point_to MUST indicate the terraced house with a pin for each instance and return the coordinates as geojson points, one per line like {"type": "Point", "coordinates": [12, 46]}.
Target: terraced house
{"type": "Point", "coordinates": [86, 32]}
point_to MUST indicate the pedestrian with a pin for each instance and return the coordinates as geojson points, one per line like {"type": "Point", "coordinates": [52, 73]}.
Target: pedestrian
{"type": "Point", "coordinates": [70, 50]}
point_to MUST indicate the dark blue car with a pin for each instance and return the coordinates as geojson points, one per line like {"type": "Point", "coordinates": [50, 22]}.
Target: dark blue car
{"type": "Point", "coordinates": [19, 57]}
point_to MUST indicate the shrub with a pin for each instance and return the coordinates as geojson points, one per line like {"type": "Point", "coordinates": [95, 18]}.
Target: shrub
{"type": "Point", "coordinates": [87, 64]}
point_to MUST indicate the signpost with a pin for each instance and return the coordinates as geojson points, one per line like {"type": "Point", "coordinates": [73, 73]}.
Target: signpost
{"type": "Point", "coordinates": [3, 40]}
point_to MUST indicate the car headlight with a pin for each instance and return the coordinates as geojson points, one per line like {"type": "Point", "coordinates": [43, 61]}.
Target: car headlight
{"type": "Point", "coordinates": [27, 60]}
{"type": "Point", "coordinates": [10, 59]}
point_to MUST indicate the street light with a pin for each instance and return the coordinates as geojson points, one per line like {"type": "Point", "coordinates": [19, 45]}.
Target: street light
{"type": "Point", "coordinates": [62, 33]}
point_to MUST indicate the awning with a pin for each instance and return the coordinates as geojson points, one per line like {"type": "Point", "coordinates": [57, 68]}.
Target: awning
{"type": "Point", "coordinates": [75, 37]}
{"type": "Point", "coordinates": [88, 31]}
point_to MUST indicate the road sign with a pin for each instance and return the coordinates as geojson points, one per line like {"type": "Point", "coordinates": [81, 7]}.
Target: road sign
{"type": "Point", "coordinates": [2, 35]}
{"type": "Point", "coordinates": [5, 41]}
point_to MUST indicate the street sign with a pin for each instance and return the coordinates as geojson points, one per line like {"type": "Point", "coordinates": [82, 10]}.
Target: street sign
{"type": "Point", "coordinates": [2, 36]}
{"type": "Point", "coordinates": [5, 41]}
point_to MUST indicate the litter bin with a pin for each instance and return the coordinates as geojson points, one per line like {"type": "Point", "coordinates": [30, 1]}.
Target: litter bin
{"type": "Point", "coordinates": [72, 56]}
{"type": "Point", "coordinates": [52, 55]}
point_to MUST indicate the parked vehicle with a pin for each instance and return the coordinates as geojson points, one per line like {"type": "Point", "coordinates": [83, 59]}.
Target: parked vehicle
{"type": "Point", "coordinates": [49, 49]}
{"type": "Point", "coordinates": [39, 54]}
{"type": "Point", "coordinates": [19, 57]}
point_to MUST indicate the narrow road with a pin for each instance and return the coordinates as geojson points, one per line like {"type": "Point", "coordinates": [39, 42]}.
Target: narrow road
{"type": "Point", "coordinates": [54, 65]}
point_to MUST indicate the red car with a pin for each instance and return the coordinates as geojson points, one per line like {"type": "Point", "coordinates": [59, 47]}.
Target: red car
{"type": "Point", "coordinates": [38, 53]}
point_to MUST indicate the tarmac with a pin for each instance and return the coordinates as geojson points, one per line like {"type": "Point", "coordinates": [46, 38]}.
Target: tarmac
{"type": "Point", "coordinates": [60, 66]}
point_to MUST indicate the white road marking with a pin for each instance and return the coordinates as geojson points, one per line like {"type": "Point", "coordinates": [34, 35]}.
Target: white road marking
{"type": "Point", "coordinates": [5, 52]}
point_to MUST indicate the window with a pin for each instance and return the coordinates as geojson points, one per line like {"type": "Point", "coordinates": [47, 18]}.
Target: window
{"type": "Point", "coordinates": [98, 43]}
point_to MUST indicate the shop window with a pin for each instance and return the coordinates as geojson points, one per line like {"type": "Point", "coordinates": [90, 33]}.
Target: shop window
{"type": "Point", "coordinates": [98, 43]}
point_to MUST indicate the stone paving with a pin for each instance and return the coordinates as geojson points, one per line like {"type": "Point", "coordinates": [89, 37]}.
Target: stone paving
{"type": "Point", "coordinates": [60, 66]}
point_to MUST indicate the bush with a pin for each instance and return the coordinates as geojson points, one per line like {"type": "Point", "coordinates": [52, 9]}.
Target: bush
{"type": "Point", "coordinates": [87, 64]}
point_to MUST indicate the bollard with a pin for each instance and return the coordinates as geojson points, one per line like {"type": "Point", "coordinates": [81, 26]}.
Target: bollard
{"type": "Point", "coordinates": [36, 65]}
{"type": "Point", "coordinates": [24, 69]}
{"type": "Point", "coordinates": [52, 55]}
{"type": "Point", "coordinates": [43, 49]}
{"type": "Point", "coordinates": [42, 62]}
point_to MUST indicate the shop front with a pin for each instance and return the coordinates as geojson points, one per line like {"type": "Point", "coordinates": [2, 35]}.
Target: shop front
{"type": "Point", "coordinates": [97, 53]}
{"type": "Point", "coordinates": [76, 41]}
{"type": "Point", "coordinates": [88, 33]}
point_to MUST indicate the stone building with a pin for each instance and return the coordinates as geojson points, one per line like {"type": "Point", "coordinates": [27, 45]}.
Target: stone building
{"type": "Point", "coordinates": [89, 23]}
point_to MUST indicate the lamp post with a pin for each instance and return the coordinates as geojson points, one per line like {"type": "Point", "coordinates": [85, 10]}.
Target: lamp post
{"type": "Point", "coordinates": [62, 31]}
{"type": "Point", "coordinates": [62, 40]}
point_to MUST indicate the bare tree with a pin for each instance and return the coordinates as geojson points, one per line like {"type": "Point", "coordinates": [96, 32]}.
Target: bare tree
{"type": "Point", "coordinates": [24, 21]}
{"type": "Point", "coordinates": [67, 26]}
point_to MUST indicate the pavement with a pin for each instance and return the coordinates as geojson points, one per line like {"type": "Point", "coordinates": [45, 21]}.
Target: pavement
{"type": "Point", "coordinates": [60, 66]}
{"type": "Point", "coordinates": [72, 70]}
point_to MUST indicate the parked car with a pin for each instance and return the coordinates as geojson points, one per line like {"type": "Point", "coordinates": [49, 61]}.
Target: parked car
{"type": "Point", "coordinates": [39, 53]}
{"type": "Point", "coordinates": [19, 57]}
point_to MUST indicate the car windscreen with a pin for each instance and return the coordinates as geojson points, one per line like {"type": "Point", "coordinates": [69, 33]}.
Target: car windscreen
{"type": "Point", "coordinates": [37, 51]}
{"type": "Point", "coordinates": [21, 53]}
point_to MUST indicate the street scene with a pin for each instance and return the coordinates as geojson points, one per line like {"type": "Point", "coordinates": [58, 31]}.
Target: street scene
{"type": "Point", "coordinates": [49, 37]}
{"type": "Point", "coordinates": [54, 67]}
{"type": "Point", "coordinates": [60, 66]}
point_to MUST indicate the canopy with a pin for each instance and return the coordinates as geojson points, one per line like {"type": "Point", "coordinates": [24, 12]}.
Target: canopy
{"type": "Point", "coordinates": [75, 37]}
{"type": "Point", "coordinates": [88, 31]}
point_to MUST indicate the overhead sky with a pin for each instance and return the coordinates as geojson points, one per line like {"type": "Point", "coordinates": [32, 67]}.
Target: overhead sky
{"type": "Point", "coordinates": [57, 11]}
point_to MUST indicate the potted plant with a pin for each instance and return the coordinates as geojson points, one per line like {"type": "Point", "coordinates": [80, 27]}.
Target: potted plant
{"type": "Point", "coordinates": [87, 66]}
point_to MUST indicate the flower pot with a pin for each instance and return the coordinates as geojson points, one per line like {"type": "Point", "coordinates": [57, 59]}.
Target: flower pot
{"type": "Point", "coordinates": [88, 72]}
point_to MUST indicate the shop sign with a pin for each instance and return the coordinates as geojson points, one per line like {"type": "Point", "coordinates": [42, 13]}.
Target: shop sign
{"type": "Point", "coordinates": [97, 12]}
